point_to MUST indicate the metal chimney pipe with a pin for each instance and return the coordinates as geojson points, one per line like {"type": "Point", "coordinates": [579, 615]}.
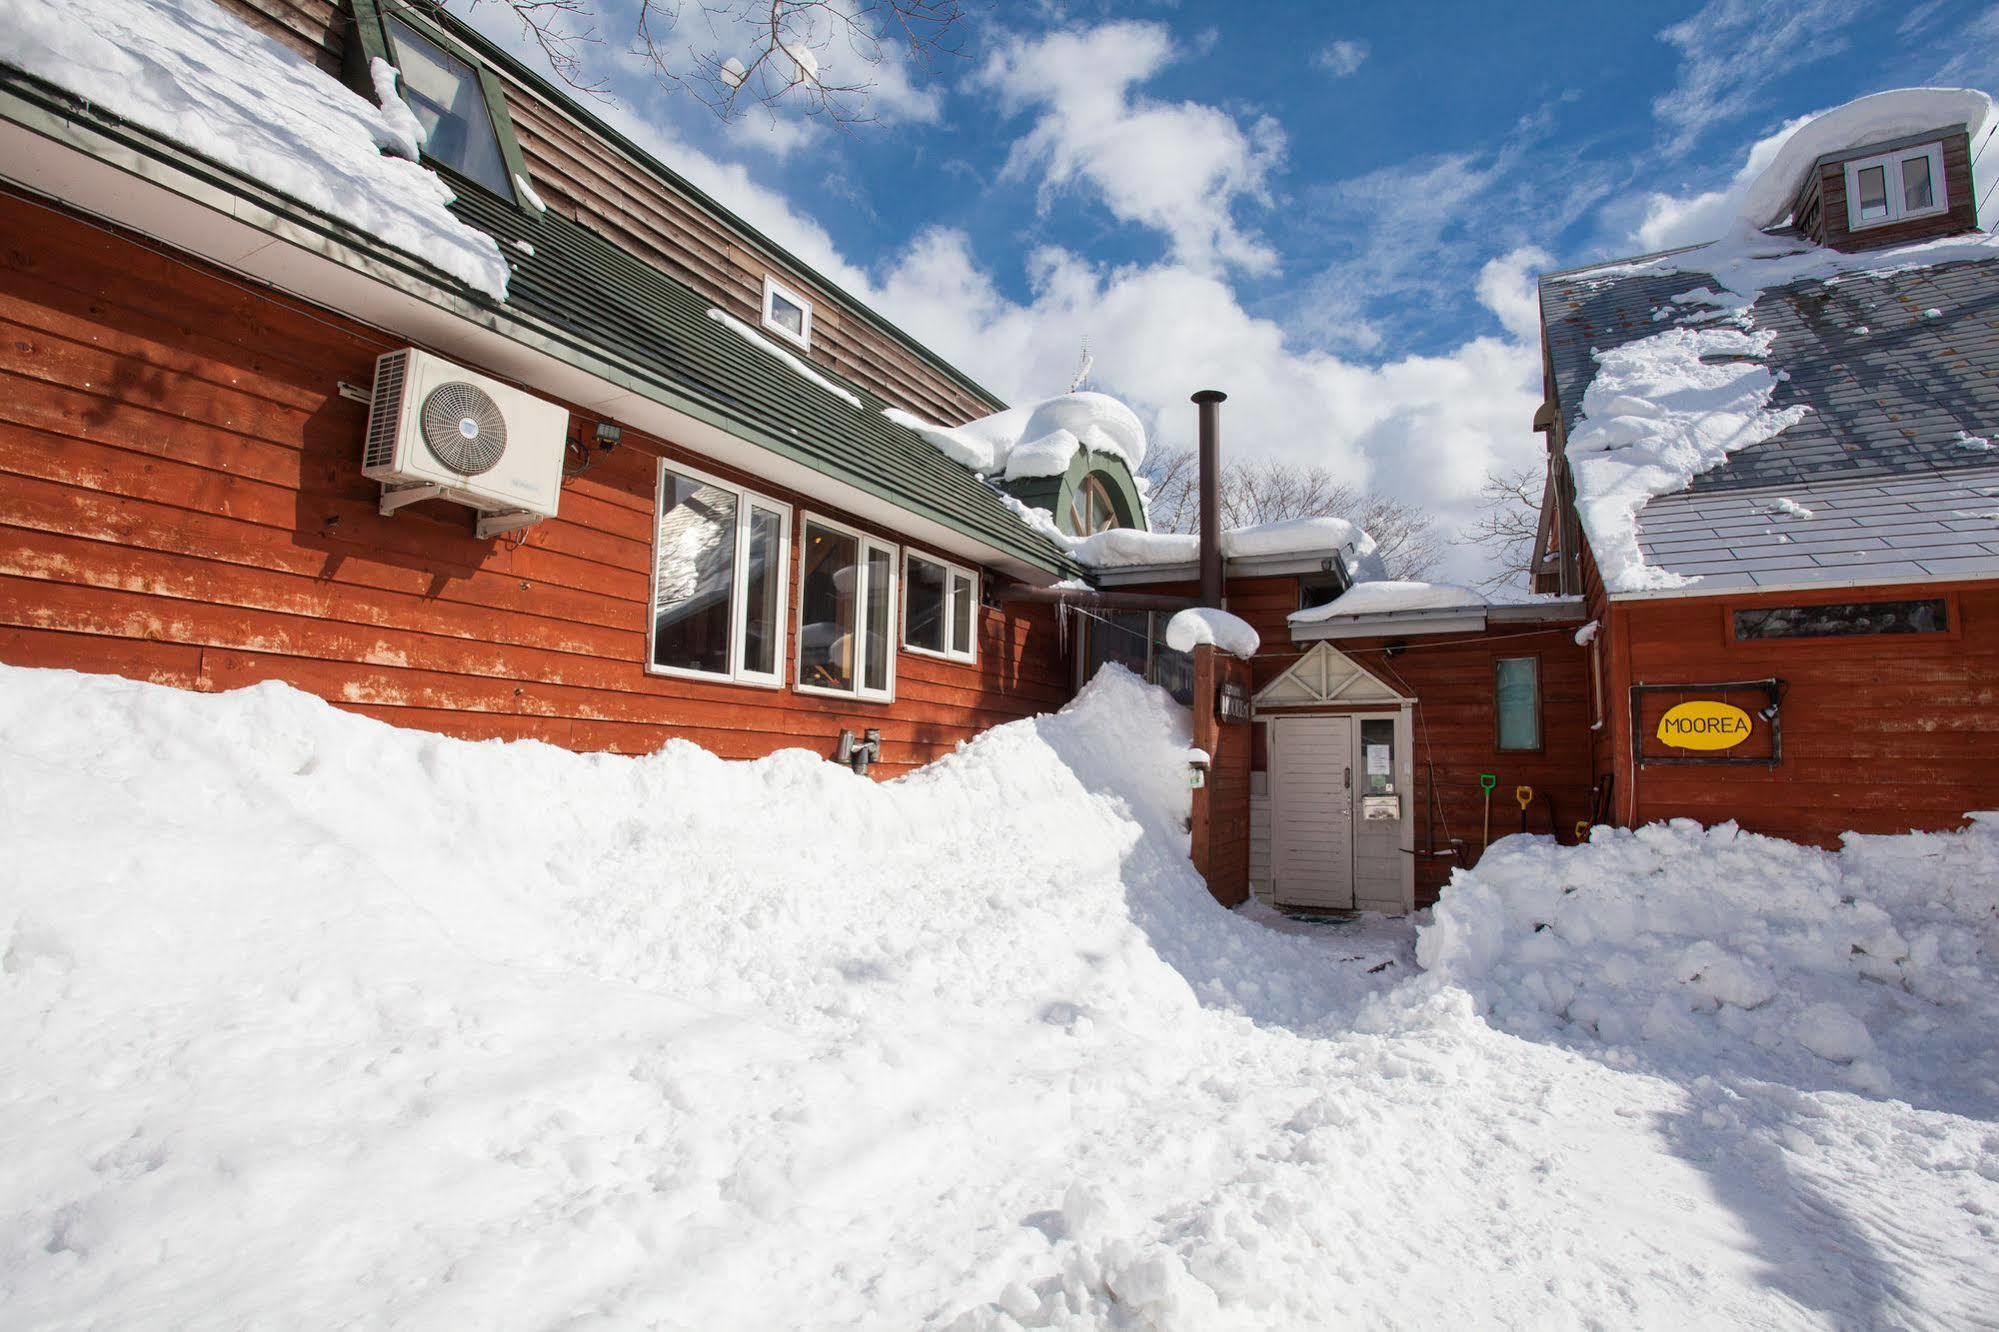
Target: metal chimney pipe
{"type": "Point", "coordinates": [1210, 403]}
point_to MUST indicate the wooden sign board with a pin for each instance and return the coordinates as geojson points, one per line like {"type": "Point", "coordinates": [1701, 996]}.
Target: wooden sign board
{"type": "Point", "coordinates": [1735, 721]}
{"type": "Point", "coordinates": [1232, 702]}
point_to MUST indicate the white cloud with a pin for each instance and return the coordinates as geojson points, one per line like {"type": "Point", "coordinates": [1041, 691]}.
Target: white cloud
{"type": "Point", "coordinates": [1424, 428]}
{"type": "Point", "coordinates": [1671, 220]}
{"type": "Point", "coordinates": [1341, 58]}
{"type": "Point", "coordinates": [1178, 168]}
{"type": "Point", "coordinates": [1732, 49]}
{"type": "Point", "coordinates": [1507, 286]}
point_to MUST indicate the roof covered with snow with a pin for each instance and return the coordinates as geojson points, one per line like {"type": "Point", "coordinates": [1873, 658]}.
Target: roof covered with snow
{"type": "Point", "coordinates": [209, 102]}
{"type": "Point", "coordinates": [1407, 606]}
{"type": "Point", "coordinates": [1765, 365]}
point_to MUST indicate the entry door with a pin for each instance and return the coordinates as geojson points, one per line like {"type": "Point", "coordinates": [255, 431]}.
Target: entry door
{"type": "Point", "coordinates": [1311, 811]}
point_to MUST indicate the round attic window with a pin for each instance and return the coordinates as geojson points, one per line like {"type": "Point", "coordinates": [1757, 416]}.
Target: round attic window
{"type": "Point", "coordinates": [1091, 509]}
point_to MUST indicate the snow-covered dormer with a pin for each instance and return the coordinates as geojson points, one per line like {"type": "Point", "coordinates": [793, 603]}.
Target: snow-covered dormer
{"type": "Point", "coordinates": [1886, 169]}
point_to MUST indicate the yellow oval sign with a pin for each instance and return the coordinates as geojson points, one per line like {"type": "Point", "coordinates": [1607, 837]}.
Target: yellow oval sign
{"type": "Point", "coordinates": [1704, 724]}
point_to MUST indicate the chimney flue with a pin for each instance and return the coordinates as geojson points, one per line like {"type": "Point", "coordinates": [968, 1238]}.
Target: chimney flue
{"type": "Point", "coordinates": [1210, 402]}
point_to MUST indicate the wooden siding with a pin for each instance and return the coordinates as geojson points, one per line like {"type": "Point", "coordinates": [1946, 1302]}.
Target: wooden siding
{"type": "Point", "coordinates": [1880, 734]}
{"type": "Point", "coordinates": [1219, 835]}
{"type": "Point", "coordinates": [1456, 727]}
{"type": "Point", "coordinates": [1455, 721]}
{"type": "Point", "coordinates": [1962, 215]}
{"type": "Point", "coordinates": [591, 179]}
{"type": "Point", "coordinates": [181, 501]}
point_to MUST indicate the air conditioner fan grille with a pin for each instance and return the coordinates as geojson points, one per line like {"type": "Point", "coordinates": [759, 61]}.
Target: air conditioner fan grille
{"type": "Point", "coordinates": [464, 428]}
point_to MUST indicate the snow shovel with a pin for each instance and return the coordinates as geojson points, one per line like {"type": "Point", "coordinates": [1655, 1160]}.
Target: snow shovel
{"type": "Point", "coordinates": [1487, 781]}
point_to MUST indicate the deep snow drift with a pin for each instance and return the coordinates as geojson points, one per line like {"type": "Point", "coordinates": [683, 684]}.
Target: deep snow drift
{"type": "Point", "coordinates": [306, 1021]}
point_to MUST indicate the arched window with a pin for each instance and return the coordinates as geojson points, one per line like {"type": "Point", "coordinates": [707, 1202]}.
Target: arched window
{"type": "Point", "coordinates": [1091, 509]}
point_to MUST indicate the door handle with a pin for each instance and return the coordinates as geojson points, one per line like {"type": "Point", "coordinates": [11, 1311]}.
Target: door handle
{"type": "Point", "coordinates": [1347, 781]}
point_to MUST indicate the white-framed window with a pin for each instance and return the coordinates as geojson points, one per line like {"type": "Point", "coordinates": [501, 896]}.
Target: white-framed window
{"type": "Point", "coordinates": [718, 581]}
{"type": "Point", "coordinates": [940, 608]}
{"type": "Point", "coordinates": [786, 313]}
{"type": "Point", "coordinates": [1892, 187]}
{"type": "Point", "coordinates": [846, 611]}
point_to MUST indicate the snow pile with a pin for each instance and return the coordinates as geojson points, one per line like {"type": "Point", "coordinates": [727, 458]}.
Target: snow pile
{"type": "Point", "coordinates": [310, 1022]}
{"type": "Point", "coordinates": [1877, 118]}
{"type": "Point", "coordinates": [1658, 413]}
{"type": "Point", "coordinates": [1126, 547]}
{"type": "Point", "coordinates": [1038, 439]}
{"type": "Point", "coordinates": [796, 365]}
{"type": "Point", "coordinates": [1385, 596]}
{"type": "Point", "coordinates": [1204, 624]}
{"type": "Point", "coordinates": [1875, 967]}
{"type": "Point", "coordinates": [396, 113]}
{"type": "Point", "coordinates": [186, 70]}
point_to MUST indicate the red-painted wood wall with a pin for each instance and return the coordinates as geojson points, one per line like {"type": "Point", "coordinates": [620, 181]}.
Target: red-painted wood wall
{"type": "Point", "coordinates": [181, 501]}
{"type": "Point", "coordinates": [1880, 734]}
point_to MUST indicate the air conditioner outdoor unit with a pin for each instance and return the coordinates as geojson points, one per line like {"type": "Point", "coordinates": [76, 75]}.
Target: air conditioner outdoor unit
{"type": "Point", "coordinates": [439, 431]}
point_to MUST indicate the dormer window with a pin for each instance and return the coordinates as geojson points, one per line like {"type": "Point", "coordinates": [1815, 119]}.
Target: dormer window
{"type": "Point", "coordinates": [787, 314]}
{"type": "Point", "coordinates": [449, 100]}
{"type": "Point", "coordinates": [1892, 187]}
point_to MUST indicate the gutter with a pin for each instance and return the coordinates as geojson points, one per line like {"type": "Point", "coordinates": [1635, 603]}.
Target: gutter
{"type": "Point", "coordinates": [1439, 620]}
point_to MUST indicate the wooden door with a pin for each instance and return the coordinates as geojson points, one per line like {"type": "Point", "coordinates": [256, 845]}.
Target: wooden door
{"type": "Point", "coordinates": [1311, 811]}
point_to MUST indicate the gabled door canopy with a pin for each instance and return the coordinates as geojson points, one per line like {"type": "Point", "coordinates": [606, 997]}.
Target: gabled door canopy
{"type": "Point", "coordinates": [1326, 676]}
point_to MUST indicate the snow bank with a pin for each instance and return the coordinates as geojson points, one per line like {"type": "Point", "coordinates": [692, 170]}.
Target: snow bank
{"type": "Point", "coordinates": [1876, 118]}
{"type": "Point", "coordinates": [1204, 624]}
{"type": "Point", "coordinates": [1875, 967]}
{"type": "Point", "coordinates": [412, 1030]}
{"type": "Point", "coordinates": [1658, 413]}
{"type": "Point", "coordinates": [310, 1022]}
{"type": "Point", "coordinates": [189, 71]}
{"type": "Point", "coordinates": [795, 364]}
{"type": "Point", "coordinates": [1037, 439]}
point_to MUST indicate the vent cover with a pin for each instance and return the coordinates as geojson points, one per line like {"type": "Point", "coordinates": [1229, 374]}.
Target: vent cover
{"type": "Point", "coordinates": [464, 428]}
{"type": "Point", "coordinates": [385, 411]}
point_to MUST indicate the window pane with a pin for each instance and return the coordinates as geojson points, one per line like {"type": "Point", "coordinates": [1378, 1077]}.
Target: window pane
{"type": "Point", "coordinates": [1917, 192]}
{"type": "Point", "coordinates": [444, 93]}
{"type": "Point", "coordinates": [1377, 750]}
{"type": "Point", "coordinates": [1874, 192]}
{"type": "Point", "coordinates": [827, 603]}
{"type": "Point", "coordinates": [696, 564]}
{"type": "Point", "coordinates": [923, 625]}
{"type": "Point", "coordinates": [1519, 694]}
{"type": "Point", "coordinates": [1119, 638]}
{"type": "Point", "coordinates": [1091, 510]}
{"type": "Point", "coordinates": [760, 624]}
{"type": "Point", "coordinates": [881, 614]}
{"type": "Point", "coordinates": [961, 614]}
{"type": "Point", "coordinates": [1171, 671]}
{"type": "Point", "coordinates": [1844, 620]}
{"type": "Point", "coordinates": [787, 314]}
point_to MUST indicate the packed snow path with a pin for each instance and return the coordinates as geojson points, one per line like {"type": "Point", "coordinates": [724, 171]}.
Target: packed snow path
{"type": "Point", "coordinates": [306, 1021]}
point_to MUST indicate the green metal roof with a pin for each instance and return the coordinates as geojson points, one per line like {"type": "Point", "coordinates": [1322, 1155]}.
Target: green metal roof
{"type": "Point", "coordinates": [594, 303]}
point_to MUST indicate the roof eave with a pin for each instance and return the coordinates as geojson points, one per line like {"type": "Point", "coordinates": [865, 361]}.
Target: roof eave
{"type": "Point", "coordinates": [137, 180]}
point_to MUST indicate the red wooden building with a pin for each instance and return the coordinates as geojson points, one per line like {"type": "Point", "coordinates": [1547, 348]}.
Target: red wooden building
{"type": "Point", "coordinates": [1830, 587]}
{"type": "Point", "coordinates": [496, 427]}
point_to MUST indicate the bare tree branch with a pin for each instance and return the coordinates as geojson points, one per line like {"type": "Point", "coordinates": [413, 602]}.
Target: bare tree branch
{"type": "Point", "coordinates": [1508, 521]}
{"type": "Point", "coordinates": [818, 56]}
{"type": "Point", "coordinates": [1266, 490]}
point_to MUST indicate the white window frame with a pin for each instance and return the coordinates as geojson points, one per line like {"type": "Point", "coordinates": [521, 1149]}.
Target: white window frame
{"type": "Point", "coordinates": [951, 571]}
{"type": "Point", "coordinates": [772, 287]}
{"type": "Point", "coordinates": [739, 584]}
{"type": "Point", "coordinates": [863, 543]}
{"type": "Point", "coordinates": [1891, 165]}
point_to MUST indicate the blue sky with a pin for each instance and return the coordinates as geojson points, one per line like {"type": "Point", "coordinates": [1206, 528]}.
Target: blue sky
{"type": "Point", "coordinates": [1333, 212]}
